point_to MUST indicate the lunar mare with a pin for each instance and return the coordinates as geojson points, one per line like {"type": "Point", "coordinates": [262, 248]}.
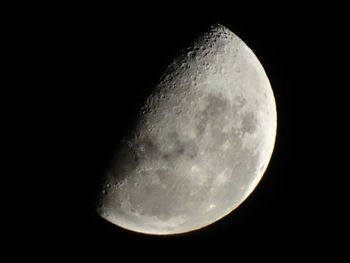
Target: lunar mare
{"type": "Point", "coordinates": [201, 143]}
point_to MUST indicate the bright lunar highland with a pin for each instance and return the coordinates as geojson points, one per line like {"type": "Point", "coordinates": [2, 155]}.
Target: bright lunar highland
{"type": "Point", "coordinates": [201, 144]}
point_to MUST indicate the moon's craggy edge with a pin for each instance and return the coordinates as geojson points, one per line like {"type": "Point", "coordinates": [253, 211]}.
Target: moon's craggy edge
{"type": "Point", "coordinates": [202, 142]}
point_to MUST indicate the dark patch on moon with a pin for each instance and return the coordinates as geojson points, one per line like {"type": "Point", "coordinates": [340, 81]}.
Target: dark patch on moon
{"type": "Point", "coordinates": [215, 106]}
{"type": "Point", "coordinates": [249, 122]}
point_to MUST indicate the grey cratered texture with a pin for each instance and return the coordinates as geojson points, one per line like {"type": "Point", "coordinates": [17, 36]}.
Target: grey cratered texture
{"type": "Point", "coordinates": [202, 142]}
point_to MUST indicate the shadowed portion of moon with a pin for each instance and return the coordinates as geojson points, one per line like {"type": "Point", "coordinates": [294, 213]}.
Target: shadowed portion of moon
{"type": "Point", "coordinates": [201, 144]}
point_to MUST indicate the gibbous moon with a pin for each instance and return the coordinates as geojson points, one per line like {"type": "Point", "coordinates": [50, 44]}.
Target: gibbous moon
{"type": "Point", "coordinates": [201, 143]}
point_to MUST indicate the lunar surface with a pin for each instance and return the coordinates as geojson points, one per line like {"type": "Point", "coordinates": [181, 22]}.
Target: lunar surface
{"type": "Point", "coordinates": [201, 144]}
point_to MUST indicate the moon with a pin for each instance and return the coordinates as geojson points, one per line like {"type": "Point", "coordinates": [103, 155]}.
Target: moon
{"type": "Point", "coordinates": [201, 144]}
